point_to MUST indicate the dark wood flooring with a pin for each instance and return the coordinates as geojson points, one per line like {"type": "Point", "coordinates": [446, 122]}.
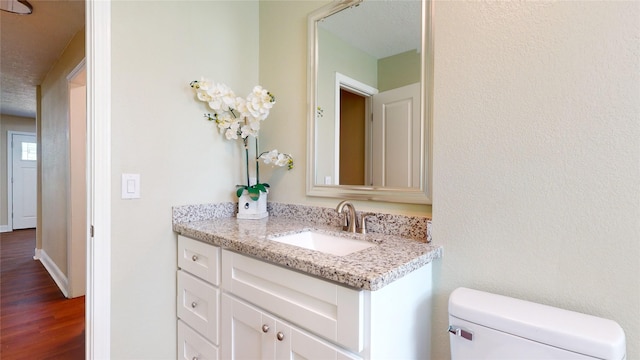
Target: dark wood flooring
{"type": "Point", "coordinates": [36, 320]}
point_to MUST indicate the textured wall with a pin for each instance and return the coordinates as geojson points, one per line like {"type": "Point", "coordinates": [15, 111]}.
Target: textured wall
{"type": "Point", "coordinates": [537, 156]}
{"type": "Point", "coordinates": [55, 152]}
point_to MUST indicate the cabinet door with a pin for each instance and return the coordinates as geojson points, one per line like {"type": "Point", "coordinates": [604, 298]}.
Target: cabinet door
{"type": "Point", "coordinates": [192, 345]}
{"type": "Point", "coordinates": [301, 345]}
{"type": "Point", "coordinates": [247, 333]}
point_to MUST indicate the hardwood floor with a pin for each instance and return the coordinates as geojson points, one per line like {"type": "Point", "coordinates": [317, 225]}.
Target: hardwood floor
{"type": "Point", "coordinates": [36, 320]}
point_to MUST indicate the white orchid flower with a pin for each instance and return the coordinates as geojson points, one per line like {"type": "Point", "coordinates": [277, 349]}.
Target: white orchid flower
{"type": "Point", "coordinates": [239, 117]}
{"type": "Point", "coordinates": [259, 102]}
{"type": "Point", "coordinates": [277, 159]}
{"type": "Point", "coordinates": [247, 130]}
{"type": "Point", "coordinates": [254, 124]}
{"type": "Point", "coordinates": [270, 157]}
{"type": "Point", "coordinates": [281, 160]}
{"type": "Point", "coordinates": [232, 131]}
{"type": "Point", "coordinates": [241, 106]}
{"type": "Point", "coordinates": [224, 121]}
{"type": "Point", "coordinates": [204, 84]}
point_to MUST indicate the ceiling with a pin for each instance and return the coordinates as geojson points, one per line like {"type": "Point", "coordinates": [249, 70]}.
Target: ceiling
{"type": "Point", "coordinates": [379, 28]}
{"type": "Point", "coordinates": [29, 46]}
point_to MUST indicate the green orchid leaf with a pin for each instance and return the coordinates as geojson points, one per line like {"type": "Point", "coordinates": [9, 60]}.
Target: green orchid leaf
{"type": "Point", "coordinates": [254, 193]}
{"type": "Point", "coordinates": [260, 187]}
{"type": "Point", "coordinates": [240, 191]}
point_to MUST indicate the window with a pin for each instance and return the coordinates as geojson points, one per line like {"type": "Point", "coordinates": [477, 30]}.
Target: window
{"type": "Point", "coordinates": [29, 151]}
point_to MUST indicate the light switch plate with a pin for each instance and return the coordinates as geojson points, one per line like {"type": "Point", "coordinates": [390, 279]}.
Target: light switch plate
{"type": "Point", "coordinates": [130, 186]}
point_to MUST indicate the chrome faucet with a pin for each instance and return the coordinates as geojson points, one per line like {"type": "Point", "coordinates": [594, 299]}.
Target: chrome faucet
{"type": "Point", "coordinates": [350, 216]}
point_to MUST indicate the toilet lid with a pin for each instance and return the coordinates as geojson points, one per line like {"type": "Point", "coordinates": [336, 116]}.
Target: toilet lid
{"type": "Point", "coordinates": [582, 333]}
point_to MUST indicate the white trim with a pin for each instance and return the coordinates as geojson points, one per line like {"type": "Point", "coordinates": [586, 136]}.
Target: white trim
{"type": "Point", "coordinates": [56, 274]}
{"type": "Point", "coordinates": [98, 298]}
{"type": "Point", "coordinates": [76, 70]}
{"type": "Point", "coordinates": [5, 228]}
{"type": "Point", "coordinates": [10, 133]}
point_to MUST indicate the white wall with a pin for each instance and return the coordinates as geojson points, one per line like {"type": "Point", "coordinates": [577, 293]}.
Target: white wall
{"type": "Point", "coordinates": [159, 132]}
{"type": "Point", "coordinates": [537, 156]}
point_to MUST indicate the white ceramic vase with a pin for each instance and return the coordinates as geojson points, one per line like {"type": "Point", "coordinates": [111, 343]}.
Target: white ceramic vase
{"type": "Point", "coordinates": [252, 209]}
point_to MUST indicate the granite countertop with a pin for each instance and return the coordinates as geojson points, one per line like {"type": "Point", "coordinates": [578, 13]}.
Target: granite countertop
{"type": "Point", "coordinates": [368, 269]}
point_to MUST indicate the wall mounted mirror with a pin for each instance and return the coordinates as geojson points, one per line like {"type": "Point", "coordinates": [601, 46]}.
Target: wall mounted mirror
{"type": "Point", "coordinates": [370, 89]}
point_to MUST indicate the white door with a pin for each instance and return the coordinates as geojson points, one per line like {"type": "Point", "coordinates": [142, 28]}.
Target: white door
{"type": "Point", "coordinates": [24, 179]}
{"type": "Point", "coordinates": [396, 138]}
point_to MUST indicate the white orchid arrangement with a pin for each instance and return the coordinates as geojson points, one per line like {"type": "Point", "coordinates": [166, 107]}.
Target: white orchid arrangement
{"type": "Point", "coordinates": [240, 118]}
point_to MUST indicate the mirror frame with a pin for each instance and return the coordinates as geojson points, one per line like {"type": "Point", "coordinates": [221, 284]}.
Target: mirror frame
{"type": "Point", "coordinates": [421, 195]}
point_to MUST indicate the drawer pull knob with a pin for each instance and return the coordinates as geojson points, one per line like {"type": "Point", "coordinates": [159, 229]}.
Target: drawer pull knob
{"type": "Point", "coordinates": [194, 258]}
{"type": "Point", "coordinates": [194, 304]}
{"type": "Point", "coordinates": [194, 358]}
{"type": "Point", "coordinates": [265, 328]}
{"type": "Point", "coordinates": [280, 336]}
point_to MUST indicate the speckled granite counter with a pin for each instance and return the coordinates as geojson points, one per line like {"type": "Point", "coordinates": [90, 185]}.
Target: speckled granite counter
{"type": "Point", "coordinates": [369, 269]}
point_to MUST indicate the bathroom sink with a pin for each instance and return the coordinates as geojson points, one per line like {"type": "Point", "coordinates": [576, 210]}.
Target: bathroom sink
{"type": "Point", "coordinates": [326, 243]}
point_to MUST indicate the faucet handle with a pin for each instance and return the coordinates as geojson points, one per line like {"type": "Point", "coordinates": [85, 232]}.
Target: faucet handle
{"type": "Point", "coordinates": [362, 226]}
{"type": "Point", "coordinates": [350, 221]}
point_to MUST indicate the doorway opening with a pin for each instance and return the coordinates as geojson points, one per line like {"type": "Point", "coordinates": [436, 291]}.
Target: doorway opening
{"type": "Point", "coordinates": [353, 115]}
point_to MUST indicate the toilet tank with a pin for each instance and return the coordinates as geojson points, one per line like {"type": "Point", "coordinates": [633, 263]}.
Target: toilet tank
{"type": "Point", "coordinates": [490, 326]}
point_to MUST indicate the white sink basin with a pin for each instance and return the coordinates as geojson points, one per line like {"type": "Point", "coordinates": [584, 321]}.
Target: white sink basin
{"type": "Point", "coordinates": [322, 242]}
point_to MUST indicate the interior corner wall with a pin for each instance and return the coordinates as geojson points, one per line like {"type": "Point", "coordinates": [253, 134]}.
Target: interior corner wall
{"type": "Point", "coordinates": [399, 70]}
{"type": "Point", "coordinates": [537, 156]}
{"type": "Point", "coordinates": [54, 103]}
{"type": "Point", "coordinates": [9, 123]}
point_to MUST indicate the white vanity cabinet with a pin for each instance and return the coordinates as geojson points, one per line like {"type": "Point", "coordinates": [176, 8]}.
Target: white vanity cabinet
{"type": "Point", "coordinates": [198, 299]}
{"type": "Point", "coordinates": [319, 317]}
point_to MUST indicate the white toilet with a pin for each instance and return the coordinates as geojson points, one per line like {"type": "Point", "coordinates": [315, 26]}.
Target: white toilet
{"type": "Point", "coordinates": [489, 326]}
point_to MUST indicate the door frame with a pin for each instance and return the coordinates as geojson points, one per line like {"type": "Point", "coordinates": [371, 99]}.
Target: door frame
{"type": "Point", "coordinates": [352, 85]}
{"type": "Point", "coordinates": [98, 297]}
{"type": "Point", "coordinates": [10, 134]}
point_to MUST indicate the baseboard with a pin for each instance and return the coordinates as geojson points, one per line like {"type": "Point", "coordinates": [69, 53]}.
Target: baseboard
{"type": "Point", "coordinates": [53, 270]}
{"type": "Point", "coordinates": [5, 228]}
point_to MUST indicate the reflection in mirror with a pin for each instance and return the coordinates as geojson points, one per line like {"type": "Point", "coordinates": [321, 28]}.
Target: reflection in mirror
{"type": "Point", "coordinates": [369, 89]}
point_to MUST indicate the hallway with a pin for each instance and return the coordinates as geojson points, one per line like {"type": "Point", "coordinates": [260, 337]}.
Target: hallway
{"type": "Point", "coordinates": [36, 320]}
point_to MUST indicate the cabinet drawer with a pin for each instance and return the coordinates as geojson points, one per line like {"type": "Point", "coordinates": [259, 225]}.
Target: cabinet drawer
{"type": "Point", "coordinates": [192, 345]}
{"type": "Point", "coordinates": [324, 308]}
{"type": "Point", "coordinates": [198, 305]}
{"type": "Point", "coordinates": [200, 259]}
